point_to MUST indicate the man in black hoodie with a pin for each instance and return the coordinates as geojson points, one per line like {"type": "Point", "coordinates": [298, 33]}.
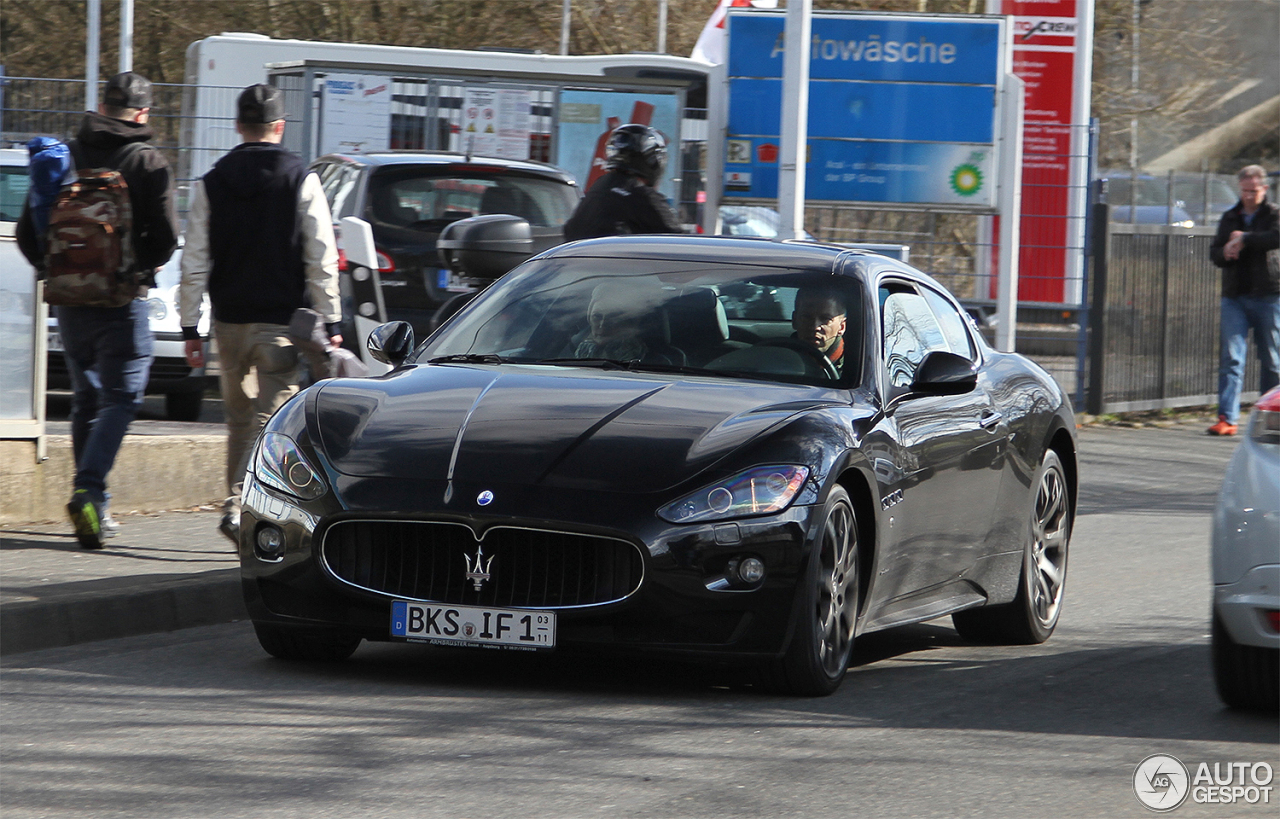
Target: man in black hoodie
{"type": "Point", "coordinates": [260, 241]}
{"type": "Point", "coordinates": [109, 350]}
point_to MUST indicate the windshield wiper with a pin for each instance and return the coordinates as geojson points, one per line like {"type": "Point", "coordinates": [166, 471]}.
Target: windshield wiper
{"type": "Point", "coordinates": [635, 365]}
{"type": "Point", "coordinates": [658, 367]}
{"type": "Point", "coordinates": [468, 358]}
{"type": "Point", "coordinates": [601, 363]}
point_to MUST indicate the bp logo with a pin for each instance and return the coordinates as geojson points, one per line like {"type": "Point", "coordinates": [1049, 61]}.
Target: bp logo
{"type": "Point", "coordinates": [966, 179]}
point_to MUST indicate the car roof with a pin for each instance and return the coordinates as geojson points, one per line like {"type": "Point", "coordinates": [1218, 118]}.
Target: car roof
{"type": "Point", "coordinates": [727, 249]}
{"type": "Point", "coordinates": [445, 158]}
{"type": "Point", "coordinates": [14, 156]}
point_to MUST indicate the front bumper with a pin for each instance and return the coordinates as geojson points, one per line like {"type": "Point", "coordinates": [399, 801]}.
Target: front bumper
{"type": "Point", "coordinates": [682, 605]}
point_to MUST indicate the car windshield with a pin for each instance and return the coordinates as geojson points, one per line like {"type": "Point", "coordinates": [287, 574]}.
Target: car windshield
{"type": "Point", "coordinates": [1122, 192]}
{"type": "Point", "coordinates": [13, 192]}
{"type": "Point", "coordinates": [718, 320]}
{"type": "Point", "coordinates": [429, 198]}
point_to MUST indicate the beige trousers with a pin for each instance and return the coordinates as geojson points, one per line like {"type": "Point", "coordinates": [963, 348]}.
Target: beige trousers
{"type": "Point", "coordinates": [259, 373]}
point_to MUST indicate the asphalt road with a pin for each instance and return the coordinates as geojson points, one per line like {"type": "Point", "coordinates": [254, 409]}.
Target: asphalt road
{"type": "Point", "coordinates": [200, 723]}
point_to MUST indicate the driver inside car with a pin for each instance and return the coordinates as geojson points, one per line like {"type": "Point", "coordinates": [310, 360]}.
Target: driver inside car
{"type": "Point", "coordinates": [819, 319]}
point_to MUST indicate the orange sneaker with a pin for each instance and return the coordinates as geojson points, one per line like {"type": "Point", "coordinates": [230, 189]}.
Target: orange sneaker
{"type": "Point", "coordinates": [1223, 427]}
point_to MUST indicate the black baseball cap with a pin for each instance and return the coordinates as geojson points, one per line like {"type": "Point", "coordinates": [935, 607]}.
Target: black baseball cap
{"type": "Point", "coordinates": [259, 104]}
{"type": "Point", "coordinates": [128, 90]}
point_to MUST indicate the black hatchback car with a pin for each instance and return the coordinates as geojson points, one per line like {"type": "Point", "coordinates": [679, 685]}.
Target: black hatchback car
{"type": "Point", "coordinates": [408, 198]}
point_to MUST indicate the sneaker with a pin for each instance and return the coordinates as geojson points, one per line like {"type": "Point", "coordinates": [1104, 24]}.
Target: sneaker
{"type": "Point", "coordinates": [230, 526]}
{"type": "Point", "coordinates": [1223, 427]}
{"type": "Point", "coordinates": [110, 528]}
{"type": "Point", "coordinates": [86, 516]}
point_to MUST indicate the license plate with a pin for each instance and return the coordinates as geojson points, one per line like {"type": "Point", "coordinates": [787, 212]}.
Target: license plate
{"type": "Point", "coordinates": [473, 625]}
{"type": "Point", "coordinates": [55, 342]}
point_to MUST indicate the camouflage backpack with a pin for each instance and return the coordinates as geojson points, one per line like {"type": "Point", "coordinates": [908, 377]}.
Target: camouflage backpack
{"type": "Point", "coordinates": [89, 243]}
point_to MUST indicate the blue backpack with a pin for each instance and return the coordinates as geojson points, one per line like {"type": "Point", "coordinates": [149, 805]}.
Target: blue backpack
{"type": "Point", "coordinates": [49, 169]}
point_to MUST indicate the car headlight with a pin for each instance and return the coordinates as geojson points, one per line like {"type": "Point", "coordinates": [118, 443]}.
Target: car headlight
{"type": "Point", "coordinates": [157, 310]}
{"type": "Point", "coordinates": [761, 490]}
{"type": "Point", "coordinates": [280, 465]}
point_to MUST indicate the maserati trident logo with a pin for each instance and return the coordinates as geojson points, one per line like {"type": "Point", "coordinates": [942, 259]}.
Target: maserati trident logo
{"type": "Point", "coordinates": [485, 498]}
{"type": "Point", "coordinates": [478, 572]}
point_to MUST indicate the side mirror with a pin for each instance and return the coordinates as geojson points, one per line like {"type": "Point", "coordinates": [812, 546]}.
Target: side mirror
{"type": "Point", "coordinates": [943, 373]}
{"type": "Point", "coordinates": [485, 247]}
{"type": "Point", "coordinates": [391, 343]}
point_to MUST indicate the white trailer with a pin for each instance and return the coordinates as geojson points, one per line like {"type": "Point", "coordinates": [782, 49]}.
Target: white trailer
{"type": "Point", "coordinates": [218, 67]}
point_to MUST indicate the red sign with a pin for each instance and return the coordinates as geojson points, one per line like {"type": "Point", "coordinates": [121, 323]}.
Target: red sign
{"type": "Point", "coordinates": [1045, 45]}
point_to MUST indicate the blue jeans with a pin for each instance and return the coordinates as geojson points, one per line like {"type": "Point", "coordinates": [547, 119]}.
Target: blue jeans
{"type": "Point", "coordinates": [108, 351]}
{"type": "Point", "coordinates": [1239, 314]}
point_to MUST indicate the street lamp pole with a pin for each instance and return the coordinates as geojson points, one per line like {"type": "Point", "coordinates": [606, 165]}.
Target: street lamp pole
{"type": "Point", "coordinates": [564, 27]}
{"type": "Point", "coordinates": [126, 35]}
{"type": "Point", "coordinates": [92, 52]}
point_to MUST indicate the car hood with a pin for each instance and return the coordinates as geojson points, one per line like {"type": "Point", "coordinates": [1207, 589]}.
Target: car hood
{"type": "Point", "coordinates": [548, 426]}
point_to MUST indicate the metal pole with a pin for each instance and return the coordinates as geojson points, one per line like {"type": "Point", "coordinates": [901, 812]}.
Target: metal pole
{"type": "Point", "coordinates": [795, 119]}
{"type": "Point", "coordinates": [564, 27]}
{"type": "Point", "coordinates": [1133, 84]}
{"type": "Point", "coordinates": [92, 50]}
{"type": "Point", "coordinates": [1010, 213]}
{"type": "Point", "coordinates": [662, 26]}
{"type": "Point", "coordinates": [1098, 309]}
{"type": "Point", "coordinates": [126, 35]}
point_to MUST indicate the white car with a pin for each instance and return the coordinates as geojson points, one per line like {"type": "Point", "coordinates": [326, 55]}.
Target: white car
{"type": "Point", "coordinates": [1246, 566]}
{"type": "Point", "coordinates": [182, 386]}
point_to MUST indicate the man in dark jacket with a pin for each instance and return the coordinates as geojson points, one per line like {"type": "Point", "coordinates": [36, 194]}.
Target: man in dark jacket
{"type": "Point", "coordinates": [109, 350]}
{"type": "Point", "coordinates": [260, 240]}
{"type": "Point", "coordinates": [1250, 293]}
{"type": "Point", "coordinates": [624, 200]}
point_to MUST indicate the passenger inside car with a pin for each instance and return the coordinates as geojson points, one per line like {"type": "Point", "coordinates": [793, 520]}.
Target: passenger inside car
{"type": "Point", "coordinates": [628, 323]}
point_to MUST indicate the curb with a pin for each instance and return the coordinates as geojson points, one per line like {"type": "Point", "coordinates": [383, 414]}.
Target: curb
{"type": "Point", "coordinates": [119, 607]}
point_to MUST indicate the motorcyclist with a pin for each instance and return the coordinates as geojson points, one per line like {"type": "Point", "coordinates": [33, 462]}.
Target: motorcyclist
{"type": "Point", "coordinates": [625, 200]}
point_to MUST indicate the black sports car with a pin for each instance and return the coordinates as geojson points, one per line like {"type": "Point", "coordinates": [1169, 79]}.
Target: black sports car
{"type": "Point", "coordinates": [750, 450]}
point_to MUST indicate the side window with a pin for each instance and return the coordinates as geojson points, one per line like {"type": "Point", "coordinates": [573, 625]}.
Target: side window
{"type": "Point", "coordinates": [910, 332]}
{"type": "Point", "coordinates": [952, 324]}
{"type": "Point", "coordinates": [343, 200]}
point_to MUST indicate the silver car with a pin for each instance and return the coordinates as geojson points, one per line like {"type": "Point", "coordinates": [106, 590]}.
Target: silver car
{"type": "Point", "coordinates": [1246, 566]}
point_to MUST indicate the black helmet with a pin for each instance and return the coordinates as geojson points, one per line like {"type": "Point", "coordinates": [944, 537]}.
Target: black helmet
{"type": "Point", "coordinates": [639, 150]}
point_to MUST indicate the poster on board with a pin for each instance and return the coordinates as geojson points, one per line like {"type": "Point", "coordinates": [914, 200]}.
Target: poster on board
{"type": "Point", "coordinates": [588, 117]}
{"type": "Point", "coordinates": [496, 122]}
{"type": "Point", "coordinates": [356, 116]}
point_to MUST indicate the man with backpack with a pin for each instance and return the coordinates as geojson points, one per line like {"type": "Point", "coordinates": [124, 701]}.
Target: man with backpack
{"type": "Point", "coordinates": [260, 241]}
{"type": "Point", "coordinates": [108, 230]}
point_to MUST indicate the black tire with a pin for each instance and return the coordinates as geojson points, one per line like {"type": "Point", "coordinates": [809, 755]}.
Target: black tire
{"type": "Point", "coordinates": [307, 645]}
{"type": "Point", "coordinates": [1247, 677]}
{"type": "Point", "coordinates": [183, 406]}
{"type": "Point", "coordinates": [1033, 614]}
{"type": "Point", "coordinates": [818, 656]}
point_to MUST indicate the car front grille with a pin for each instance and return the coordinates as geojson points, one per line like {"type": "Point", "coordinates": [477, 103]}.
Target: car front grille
{"type": "Point", "coordinates": [527, 568]}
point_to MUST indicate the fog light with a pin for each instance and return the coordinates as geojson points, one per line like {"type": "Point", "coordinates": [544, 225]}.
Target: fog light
{"type": "Point", "coordinates": [751, 570]}
{"type": "Point", "coordinates": [270, 543]}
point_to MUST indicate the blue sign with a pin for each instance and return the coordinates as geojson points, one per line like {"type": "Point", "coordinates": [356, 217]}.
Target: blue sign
{"type": "Point", "coordinates": [902, 109]}
{"type": "Point", "coordinates": [876, 48]}
{"type": "Point", "coordinates": [913, 112]}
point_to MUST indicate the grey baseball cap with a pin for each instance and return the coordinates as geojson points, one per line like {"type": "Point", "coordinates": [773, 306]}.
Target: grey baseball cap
{"type": "Point", "coordinates": [260, 104]}
{"type": "Point", "coordinates": [128, 90]}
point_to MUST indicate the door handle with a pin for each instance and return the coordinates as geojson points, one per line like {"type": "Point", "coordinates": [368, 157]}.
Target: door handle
{"type": "Point", "coordinates": [990, 420]}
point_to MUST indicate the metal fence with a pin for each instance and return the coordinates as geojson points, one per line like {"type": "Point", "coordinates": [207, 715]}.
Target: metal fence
{"type": "Point", "coordinates": [34, 106]}
{"type": "Point", "coordinates": [1154, 319]}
